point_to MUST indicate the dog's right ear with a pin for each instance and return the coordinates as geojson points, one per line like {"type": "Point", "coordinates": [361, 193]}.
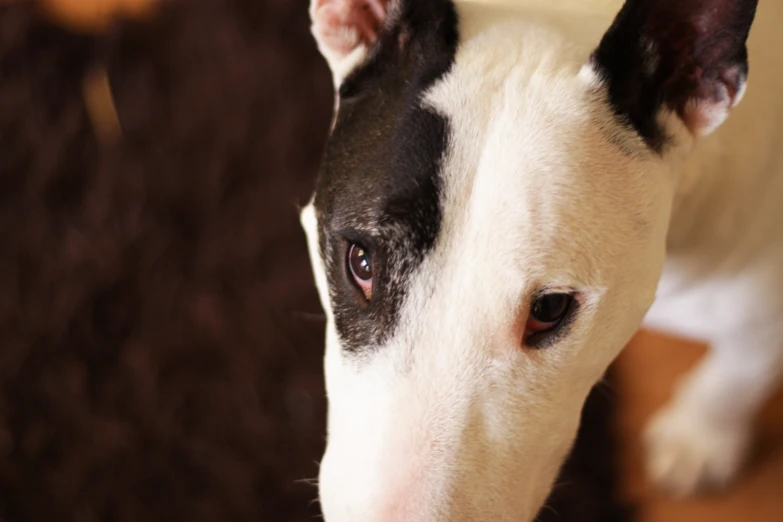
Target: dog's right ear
{"type": "Point", "coordinates": [346, 29]}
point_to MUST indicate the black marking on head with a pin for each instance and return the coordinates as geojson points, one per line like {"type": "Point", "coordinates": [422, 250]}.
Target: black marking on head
{"type": "Point", "coordinates": [668, 52]}
{"type": "Point", "coordinates": [379, 183]}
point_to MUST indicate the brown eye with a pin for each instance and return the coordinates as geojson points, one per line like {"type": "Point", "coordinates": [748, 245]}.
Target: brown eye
{"type": "Point", "coordinates": [360, 266]}
{"type": "Point", "coordinates": [547, 312]}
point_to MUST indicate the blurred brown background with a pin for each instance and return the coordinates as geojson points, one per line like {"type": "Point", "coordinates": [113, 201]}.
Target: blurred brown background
{"type": "Point", "coordinates": [160, 337]}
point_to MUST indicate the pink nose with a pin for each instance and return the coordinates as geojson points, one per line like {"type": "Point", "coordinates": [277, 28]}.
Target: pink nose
{"type": "Point", "coordinates": [404, 495]}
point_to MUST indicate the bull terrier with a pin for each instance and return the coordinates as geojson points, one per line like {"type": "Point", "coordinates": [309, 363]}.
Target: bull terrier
{"type": "Point", "coordinates": [508, 192]}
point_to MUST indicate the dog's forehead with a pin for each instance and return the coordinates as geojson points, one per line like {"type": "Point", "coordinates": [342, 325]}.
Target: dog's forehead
{"type": "Point", "coordinates": [463, 148]}
{"type": "Point", "coordinates": [381, 172]}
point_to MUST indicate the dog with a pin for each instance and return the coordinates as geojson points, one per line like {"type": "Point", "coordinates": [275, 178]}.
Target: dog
{"type": "Point", "coordinates": [507, 193]}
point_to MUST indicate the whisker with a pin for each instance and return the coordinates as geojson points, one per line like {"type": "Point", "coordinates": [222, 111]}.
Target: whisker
{"type": "Point", "coordinates": [308, 481]}
{"type": "Point", "coordinates": [550, 508]}
{"type": "Point", "coordinates": [606, 388]}
{"type": "Point", "coordinates": [309, 316]}
{"type": "Point", "coordinates": [561, 484]}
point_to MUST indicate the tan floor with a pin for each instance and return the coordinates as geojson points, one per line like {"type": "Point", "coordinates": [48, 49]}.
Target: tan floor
{"type": "Point", "coordinates": [645, 374]}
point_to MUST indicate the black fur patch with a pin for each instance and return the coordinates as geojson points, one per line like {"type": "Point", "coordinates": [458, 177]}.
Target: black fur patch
{"type": "Point", "coordinates": [380, 180]}
{"type": "Point", "coordinates": [671, 51]}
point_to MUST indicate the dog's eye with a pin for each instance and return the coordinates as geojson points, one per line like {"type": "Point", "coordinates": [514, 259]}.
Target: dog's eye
{"type": "Point", "coordinates": [547, 312]}
{"type": "Point", "coordinates": [360, 268]}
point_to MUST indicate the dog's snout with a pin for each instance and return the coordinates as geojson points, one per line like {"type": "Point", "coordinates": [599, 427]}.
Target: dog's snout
{"type": "Point", "coordinates": [395, 487]}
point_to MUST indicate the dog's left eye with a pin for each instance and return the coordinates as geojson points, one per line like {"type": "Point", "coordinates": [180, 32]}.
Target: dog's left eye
{"type": "Point", "coordinates": [547, 312]}
{"type": "Point", "coordinates": [360, 268]}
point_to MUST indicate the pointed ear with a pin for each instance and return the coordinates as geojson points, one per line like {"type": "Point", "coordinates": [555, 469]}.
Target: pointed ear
{"type": "Point", "coordinates": [687, 57]}
{"type": "Point", "coordinates": [345, 30]}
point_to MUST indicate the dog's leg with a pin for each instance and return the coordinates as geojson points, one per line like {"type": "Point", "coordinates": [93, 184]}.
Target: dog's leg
{"type": "Point", "coordinates": [700, 439]}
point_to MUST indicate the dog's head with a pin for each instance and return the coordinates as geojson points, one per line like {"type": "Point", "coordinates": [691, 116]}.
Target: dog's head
{"type": "Point", "coordinates": [488, 231]}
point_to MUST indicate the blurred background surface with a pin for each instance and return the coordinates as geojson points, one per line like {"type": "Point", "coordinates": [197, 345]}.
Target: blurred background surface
{"type": "Point", "coordinates": [644, 378]}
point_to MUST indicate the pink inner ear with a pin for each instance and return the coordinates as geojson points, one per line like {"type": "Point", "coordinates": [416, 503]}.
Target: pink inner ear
{"type": "Point", "coordinates": [343, 25]}
{"type": "Point", "coordinates": [710, 104]}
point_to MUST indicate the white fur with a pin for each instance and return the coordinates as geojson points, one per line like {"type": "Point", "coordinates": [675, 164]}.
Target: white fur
{"type": "Point", "coordinates": [723, 281]}
{"type": "Point", "coordinates": [452, 420]}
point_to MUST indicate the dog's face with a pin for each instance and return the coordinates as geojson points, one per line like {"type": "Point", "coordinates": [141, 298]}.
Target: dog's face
{"type": "Point", "coordinates": [487, 233]}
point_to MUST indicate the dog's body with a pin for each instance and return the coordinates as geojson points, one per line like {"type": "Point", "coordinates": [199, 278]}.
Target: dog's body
{"type": "Point", "coordinates": [491, 167]}
{"type": "Point", "coordinates": [723, 280]}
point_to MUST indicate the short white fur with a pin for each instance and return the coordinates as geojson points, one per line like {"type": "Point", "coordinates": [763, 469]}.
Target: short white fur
{"type": "Point", "coordinates": [451, 419]}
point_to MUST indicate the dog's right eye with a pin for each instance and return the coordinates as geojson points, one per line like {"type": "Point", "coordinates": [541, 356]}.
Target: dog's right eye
{"type": "Point", "coordinates": [547, 312]}
{"type": "Point", "coordinates": [359, 263]}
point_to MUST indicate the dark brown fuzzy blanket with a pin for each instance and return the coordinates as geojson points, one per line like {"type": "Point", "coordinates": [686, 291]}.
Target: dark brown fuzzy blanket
{"type": "Point", "coordinates": [160, 337]}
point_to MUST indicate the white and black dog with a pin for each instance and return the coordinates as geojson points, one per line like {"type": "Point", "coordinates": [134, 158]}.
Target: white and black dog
{"type": "Point", "coordinates": [507, 193]}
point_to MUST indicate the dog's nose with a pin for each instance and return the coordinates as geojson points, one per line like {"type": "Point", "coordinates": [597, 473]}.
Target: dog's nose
{"type": "Point", "coordinates": [400, 491]}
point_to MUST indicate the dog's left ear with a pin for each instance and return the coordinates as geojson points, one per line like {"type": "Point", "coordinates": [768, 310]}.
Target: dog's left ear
{"type": "Point", "coordinates": [688, 57]}
{"type": "Point", "coordinates": [346, 29]}
{"type": "Point", "coordinates": [397, 32]}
